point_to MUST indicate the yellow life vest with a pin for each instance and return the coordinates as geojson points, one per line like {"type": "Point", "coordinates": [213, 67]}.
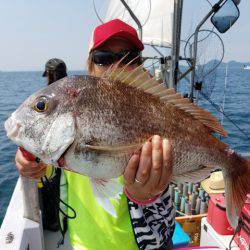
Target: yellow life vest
{"type": "Point", "coordinates": [94, 228]}
{"type": "Point", "coordinates": [50, 170]}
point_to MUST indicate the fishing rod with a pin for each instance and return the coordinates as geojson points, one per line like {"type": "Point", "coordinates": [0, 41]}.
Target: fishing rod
{"type": "Point", "coordinates": [217, 107]}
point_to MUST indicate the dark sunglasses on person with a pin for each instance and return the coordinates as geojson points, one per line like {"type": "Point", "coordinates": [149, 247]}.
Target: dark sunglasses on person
{"type": "Point", "coordinates": [105, 57]}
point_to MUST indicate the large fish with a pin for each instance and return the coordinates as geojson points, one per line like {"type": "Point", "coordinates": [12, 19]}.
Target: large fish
{"type": "Point", "coordinates": [91, 126]}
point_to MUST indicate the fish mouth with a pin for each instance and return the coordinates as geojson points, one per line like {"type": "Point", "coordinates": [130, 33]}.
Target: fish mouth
{"type": "Point", "coordinates": [12, 127]}
{"type": "Point", "coordinates": [61, 160]}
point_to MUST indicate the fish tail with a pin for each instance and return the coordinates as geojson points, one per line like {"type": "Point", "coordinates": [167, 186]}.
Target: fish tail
{"type": "Point", "coordinates": [237, 186]}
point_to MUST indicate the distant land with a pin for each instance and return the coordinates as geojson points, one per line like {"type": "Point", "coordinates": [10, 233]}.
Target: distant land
{"type": "Point", "coordinates": [230, 64]}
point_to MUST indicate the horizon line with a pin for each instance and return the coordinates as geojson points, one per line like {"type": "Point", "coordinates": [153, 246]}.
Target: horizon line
{"type": "Point", "coordinates": [36, 70]}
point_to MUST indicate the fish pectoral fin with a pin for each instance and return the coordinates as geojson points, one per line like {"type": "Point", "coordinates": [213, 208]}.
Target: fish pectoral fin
{"type": "Point", "coordinates": [107, 205]}
{"type": "Point", "coordinates": [114, 149]}
{"type": "Point", "coordinates": [193, 176]}
{"type": "Point", "coordinates": [105, 189]}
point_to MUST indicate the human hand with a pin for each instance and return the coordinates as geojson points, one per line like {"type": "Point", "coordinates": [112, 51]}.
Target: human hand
{"type": "Point", "coordinates": [148, 172]}
{"type": "Point", "coordinates": [29, 169]}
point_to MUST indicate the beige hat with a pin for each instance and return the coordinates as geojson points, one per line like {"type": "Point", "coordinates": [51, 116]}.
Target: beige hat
{"type": "Point", "coordinates": [214, 184]}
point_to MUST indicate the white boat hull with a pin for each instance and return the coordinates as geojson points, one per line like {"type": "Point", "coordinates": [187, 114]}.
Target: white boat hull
{"type": "Point", "coordinates": [19, 233]}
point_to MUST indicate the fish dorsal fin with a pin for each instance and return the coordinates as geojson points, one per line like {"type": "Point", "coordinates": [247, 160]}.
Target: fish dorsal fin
{"type": "Point", "coordinates": [141, 79]}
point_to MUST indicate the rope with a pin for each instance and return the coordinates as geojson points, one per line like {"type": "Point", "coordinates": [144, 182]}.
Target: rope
{"type": "Point", "coordinates": [47, 185]}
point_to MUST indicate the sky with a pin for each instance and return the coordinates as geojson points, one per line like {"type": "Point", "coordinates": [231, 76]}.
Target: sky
{"type": "Point", "coordinates": [32, 31]}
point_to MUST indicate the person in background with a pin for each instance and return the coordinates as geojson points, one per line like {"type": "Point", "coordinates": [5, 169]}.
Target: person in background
{"type": "Point", "coordinates": [55, 69]}
{"type": "Point", "coordinates": [145, 214]}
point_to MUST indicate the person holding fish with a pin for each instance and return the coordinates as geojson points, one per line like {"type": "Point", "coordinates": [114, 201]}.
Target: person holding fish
{"type": "Point", "coordinates": [146, 176]}
{"type": "Point", "coordinates": [111, 127]}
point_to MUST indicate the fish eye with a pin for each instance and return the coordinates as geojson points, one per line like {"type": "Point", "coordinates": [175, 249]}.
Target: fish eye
{"type": "Point", "coordinates": [41, 106]}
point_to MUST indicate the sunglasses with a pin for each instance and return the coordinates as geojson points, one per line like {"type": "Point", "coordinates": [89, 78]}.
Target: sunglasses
{"type": "Point", "coordinates": [105, 58]}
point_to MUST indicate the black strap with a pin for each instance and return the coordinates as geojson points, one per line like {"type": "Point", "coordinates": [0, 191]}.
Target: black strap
{"type": "Point", "coordinates": [57, 197]}
{"type": "Point", "coordinates": [63, 231]}
{"type": "Point", "coordinates": [47, 185]}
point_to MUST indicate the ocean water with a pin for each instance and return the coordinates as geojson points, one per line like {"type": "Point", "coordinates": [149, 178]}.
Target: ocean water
{"type": "Point", "coordinates": [17, 86]}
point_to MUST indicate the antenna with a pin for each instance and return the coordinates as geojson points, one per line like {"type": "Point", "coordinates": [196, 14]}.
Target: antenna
{"type": "Point", "coordinates": [224, 97]}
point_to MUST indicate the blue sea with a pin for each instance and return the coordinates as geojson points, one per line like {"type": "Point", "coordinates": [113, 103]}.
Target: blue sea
{"type": "Point", "coordinates": [17, 86]}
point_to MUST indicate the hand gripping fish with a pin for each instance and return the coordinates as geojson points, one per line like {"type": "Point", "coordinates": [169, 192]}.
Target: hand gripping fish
{"type": "Point", "coordinates": [92, 125]}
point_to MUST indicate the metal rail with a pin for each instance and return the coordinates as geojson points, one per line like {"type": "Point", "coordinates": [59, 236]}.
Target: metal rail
{"type": "Point", "coordinates": [134, 17]}
{"type": "Point", "coordinates": [194, 54]}
{"type": "Point", "coordinates": [176, 38]}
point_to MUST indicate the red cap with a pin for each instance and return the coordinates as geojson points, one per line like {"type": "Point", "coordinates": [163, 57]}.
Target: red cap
{"type": "Point", "coordinates": [115, 28]}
